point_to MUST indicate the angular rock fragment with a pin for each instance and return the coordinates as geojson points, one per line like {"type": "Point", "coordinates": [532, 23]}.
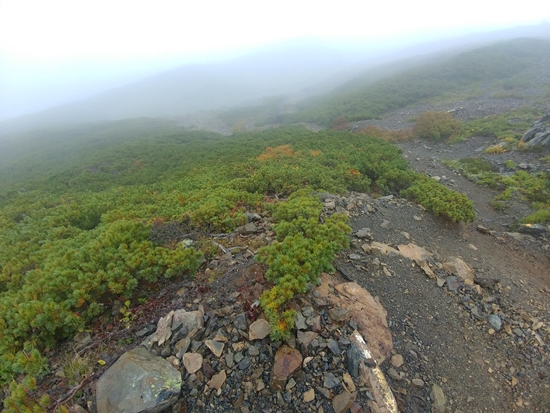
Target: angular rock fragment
{"type": "Point", "coordinates": [287, 360]}
{"type": "Point", "coordinates": [258, 330]}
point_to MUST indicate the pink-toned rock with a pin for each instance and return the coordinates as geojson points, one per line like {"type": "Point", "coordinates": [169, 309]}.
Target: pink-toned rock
{"type": "Point", "coordinates": [366, 311]}
{"type": "Point", "coordinates": [192, 362]}
{"type": "Point", "coordinates": [287, 360]}
{"type": "Point", "coordinates": [217, 380]}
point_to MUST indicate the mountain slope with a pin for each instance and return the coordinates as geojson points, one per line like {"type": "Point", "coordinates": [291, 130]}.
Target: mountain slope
{"type": "Point", "coordinates": [513, 64]}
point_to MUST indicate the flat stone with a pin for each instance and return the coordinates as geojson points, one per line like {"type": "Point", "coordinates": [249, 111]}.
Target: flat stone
{"type": "Point", "coordinates": [363, 233]}
{"type": "Point", "coordinates": [418, 383]}
{"type": "Point", "coordinates": [253, 351]}
{"type": "Point", "coordinates": [354, 257]}
{"type": "Point", "coordinates": [229, 361]}
{"type": "Point", "coordinates": [250, 227]}
{"type": "Point", "coordinates": [397, 360]}
{"type": "Point", "coordinates": [300, 322]}
{"type": "Point", "coordinates": [385, 224]}
{"type": "Point", "coordinates": [181, 347]}
{"type": "Point", "coordinates": [164, 328]}
{"type": "Point", "coordinates": [240, 322]}
{"type": "Point", "coordinates": [139, 381]}
{"type": "Point", "coordinates": [245, 363]}
{"type": "Point", "coordinates": [305, 338]}
{"type": "Point", "coordinates": [146, 331]}
{"type": "Point", "coordinates": [495, 321]}
{"type": "Point", "coordinates": [339, 314]}
{"type": "Point", "coordinates": [333, 346]}
{"type": "Point", "coordinates": [349, 382]}
{"type": "Point", "coordinates": [458, 267]}
{"type": "Point", "coordinates": [343, 401]}
{"type": "Point", "coordinates": [331, 381]}
{"type": "Point", "coordinates": [191, 320]}
{"type": "Point", "coordinates": [393, 374]}
{"type": "Point", "coordinates": [217, 380]}
{"type": "Point", "coordinates": [287, 360]}
{"type": "Point", "coordinates": [215, 346]}
{"type": "Point", "coordinates": [192, 362]}
{"type": "Point", "coordinates": [309, 395]}
{"type": "Point", "coordinates": [452, 283]}
{"type": "Point", "coordinates": [439, 402]}
{"type": "Point", "coordinates": [258, 330]}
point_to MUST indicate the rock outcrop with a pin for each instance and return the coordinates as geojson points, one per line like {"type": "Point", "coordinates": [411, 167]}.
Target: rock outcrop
{"type": "Point", "coordinates": [539, 134]}
{"type": "Point", "coordinates": [139, 382]}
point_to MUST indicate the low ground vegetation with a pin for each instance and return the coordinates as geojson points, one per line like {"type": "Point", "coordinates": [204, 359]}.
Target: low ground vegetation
{"type": "Point", "coordinates": [533, 188]}
{"type": "Point", "coordinates": [80, 236]}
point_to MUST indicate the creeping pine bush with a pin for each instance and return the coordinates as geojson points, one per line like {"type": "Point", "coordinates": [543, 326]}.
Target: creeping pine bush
{"type": "Point", "coordinates": [440, 200]}
{"type": "Point", "coordinates": [305, 247]}
{"type": "Point", "coordinates": [436, 126]}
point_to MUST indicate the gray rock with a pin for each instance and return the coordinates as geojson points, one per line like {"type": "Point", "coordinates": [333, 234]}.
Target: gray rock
{"type": "Point", "coordinates": [147, 330]}
{"type": "Point", "coordinates": [240, 322]}
{"type": "Point", "coordinates": [229, 360]}
{"type": "Point", "coordinates": [259, 329]}
{"type": "Point", "coordinates": [331, 381]}
{"type": "Point", "coordinates": [300, 322]}
{"type": "Point", "coordinates": [535, 230]}
{"type": "Point", "coordinates": [495, 321]}
{"type": "Point", "coordinates": [333, 346]}
{"type": "Point", "coordinates": [253, 351]}
{"type": "Point", "coordinates": [190, 320]}
{"type": "Point", "coordinates": [452, 283]}
{"type": "Point", "coordinates": [215, 346]}
{"type": "Point", "coordinates": [139, 382]}
{"type": "Point", "coordinates": [539, 134]}
{"type": "Point", "coordinates": [364, 233]}
{"type": "Point", "coordinates": [245, 363]}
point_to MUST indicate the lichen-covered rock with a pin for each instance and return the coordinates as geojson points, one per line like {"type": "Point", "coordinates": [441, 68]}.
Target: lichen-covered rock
{"type": "Point", "coordinates": [139, 382]}
{"type": "Point", "coordinates": [539, 134]}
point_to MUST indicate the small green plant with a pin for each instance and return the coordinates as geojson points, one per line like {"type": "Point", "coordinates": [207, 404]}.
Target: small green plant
{"type": "Point", "coordinates": [77, 368]}
{"type": "Point", "coordinates": [305, 247]}
{"type": "Point", "coordinates": [510, 164]}
{"type": "Point", "coordinates": [494, 150]}
{"type": "Point", "coordinates": [440, 200]}
{"type": "Point", "coordinates": [126, 341]}
{"type": "Point", "coordinates": [127, 315]}
{"type": "Point", "coordinates": [22, 398]}
{"type": "Point", "coordinates": [436, 126]}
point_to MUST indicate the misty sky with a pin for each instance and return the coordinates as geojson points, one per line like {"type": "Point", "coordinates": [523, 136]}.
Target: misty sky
{"type": "Point", "coordinates": [54, 51]}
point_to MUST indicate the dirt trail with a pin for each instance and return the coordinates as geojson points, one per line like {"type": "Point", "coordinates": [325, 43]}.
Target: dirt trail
{"type": "Point", "coordinates": [440, 333]}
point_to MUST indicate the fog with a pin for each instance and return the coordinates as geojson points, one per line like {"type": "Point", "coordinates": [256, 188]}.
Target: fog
{"type": "Point", "coordinates": [88, 61]}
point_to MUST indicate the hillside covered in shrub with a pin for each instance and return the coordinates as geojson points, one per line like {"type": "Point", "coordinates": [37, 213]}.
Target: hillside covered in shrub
{"type": "Point", "coordinates": [79, 206]}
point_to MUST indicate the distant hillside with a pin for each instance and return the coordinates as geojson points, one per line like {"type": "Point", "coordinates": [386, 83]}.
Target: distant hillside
{"type": "Point", "coordinates": [275, 70]}
{"type": "Point", "coordinates": [519, 67]}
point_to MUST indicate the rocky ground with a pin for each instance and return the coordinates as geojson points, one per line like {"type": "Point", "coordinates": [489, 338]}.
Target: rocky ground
{"type": "Point", "coordinates": [468, 308]}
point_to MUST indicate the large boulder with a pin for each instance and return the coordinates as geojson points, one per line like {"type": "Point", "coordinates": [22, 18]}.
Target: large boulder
{"type": "Point", "coordinates": [139, 382]}
{"type": "Point", "coordinates": [539, 134]}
